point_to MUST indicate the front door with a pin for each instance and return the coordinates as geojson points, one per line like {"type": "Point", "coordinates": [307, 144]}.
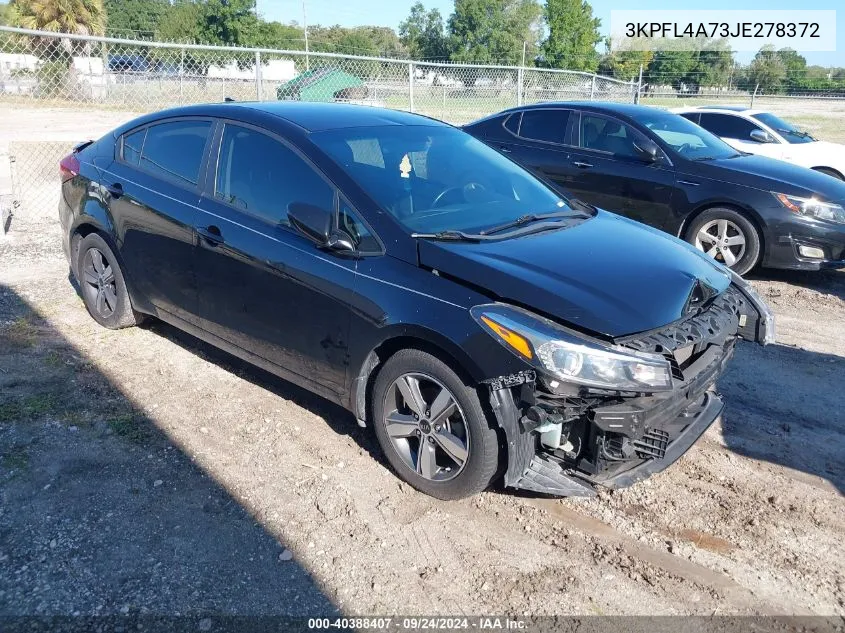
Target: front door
{"type": "Point", "coordinates": [263, 286]}
{"type": "Point", "coordinates": [612, 175]}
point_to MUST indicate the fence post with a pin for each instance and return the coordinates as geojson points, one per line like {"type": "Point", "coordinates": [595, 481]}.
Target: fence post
{"type": "Point", "coordinates": [259, 89]}
{"type": "Point", "coordinates": [182, 78]}
{"type": "Point", "coordinates": [520, 82]}
{"type": "Point", "coordinates": [639, 85]}
{"type": "Point", "coordinates": [593, 88]}
{"type": "Point", "coordinates": [754, 96]}
{"type": "Point", "coordinates": [410, 86]}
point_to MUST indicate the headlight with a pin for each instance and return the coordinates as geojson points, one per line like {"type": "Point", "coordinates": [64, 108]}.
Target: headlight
{"type": "Point", "coordinates": [812, 207]}
{"type": "Point", "coordinates": [570, 357]}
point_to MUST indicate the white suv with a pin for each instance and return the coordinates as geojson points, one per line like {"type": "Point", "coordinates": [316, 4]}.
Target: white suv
{"type": "Point", "coordinates": [760, 132]}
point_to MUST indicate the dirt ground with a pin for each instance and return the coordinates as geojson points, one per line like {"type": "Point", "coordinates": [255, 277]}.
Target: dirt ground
{"type": "Point", "coordinates": [142, 471]}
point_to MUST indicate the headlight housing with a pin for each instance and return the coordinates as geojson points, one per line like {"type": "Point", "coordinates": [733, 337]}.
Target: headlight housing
{"type": "Point", "coordinates": [569, 357]}
{"type": "Point", "coordinates": [812, 208]}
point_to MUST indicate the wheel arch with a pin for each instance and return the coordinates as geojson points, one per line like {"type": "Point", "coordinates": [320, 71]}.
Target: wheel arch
{"type": "Point", "coordinates": [825, 168]}
{"type": "Point", "coordinates": [424, 340]}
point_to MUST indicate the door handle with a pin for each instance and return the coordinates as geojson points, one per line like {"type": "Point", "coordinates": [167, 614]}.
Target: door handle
{"type": "Point", "coordinates": [504, 149]}
{"type": "Point", "coordinates": [211, 234]}
{"type": "Point", "coordinates": [115, 190]}
{"type": "Point", "coordinates": [582, 165]}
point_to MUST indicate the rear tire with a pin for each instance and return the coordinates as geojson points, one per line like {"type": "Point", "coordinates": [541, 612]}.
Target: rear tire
{"type": "Point", "coordinates": [445, 456]}
{"type": "Point", "coordinates": [727, 236]}
{"type": "Point", "coordinates": [102, 285]}
{"type": "Point", "coordinates": [829, 172]}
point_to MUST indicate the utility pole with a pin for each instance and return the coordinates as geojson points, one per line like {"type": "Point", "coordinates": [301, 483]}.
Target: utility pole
{"type": "Point", "coordinates": [524, 49]}
{"type": "Point", "coordinates": [305, 27]}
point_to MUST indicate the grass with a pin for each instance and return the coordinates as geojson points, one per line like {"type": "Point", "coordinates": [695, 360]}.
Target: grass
{"type": "Point", "coordinates": [22, 332]}
{"type": "Point", "coordinates": [15, 459]}
{"type": "Point", "coordinates": [31, 407]}
{"type": "Point", "coordinates": [129, 426]}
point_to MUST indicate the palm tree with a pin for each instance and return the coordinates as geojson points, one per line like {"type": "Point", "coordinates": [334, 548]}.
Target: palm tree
{"type": "Point", "coordinates": [56, 76]}
{"type": "Point", "coordinates": [81, 17]}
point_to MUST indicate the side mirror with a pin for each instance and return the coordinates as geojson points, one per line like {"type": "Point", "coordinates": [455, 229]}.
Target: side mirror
{"type": "Point", "coordinates": [647, 150]}
{"type": "Point", "coordinates": [761, 137]}
{"type": "Point", "coordinates": [340, 241]}
{"type": "Point", "coordinates": [312, 221]}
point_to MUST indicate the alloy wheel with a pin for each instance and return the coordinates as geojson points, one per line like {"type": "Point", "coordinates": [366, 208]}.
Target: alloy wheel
{"type": "Point", "coordinates": [98, 282]}
{"type": "Point", "coordinates": [722, 240]}
{"type": "Point", "coordinates": [426, 426]}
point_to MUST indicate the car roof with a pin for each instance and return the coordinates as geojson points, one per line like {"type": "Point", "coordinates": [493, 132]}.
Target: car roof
{"type": "Point", "coordinates": [730, 107]}
{"type": "Point", "coordinates": [309, 116]}
{"type": "Point", "coordinates": [609, 107]}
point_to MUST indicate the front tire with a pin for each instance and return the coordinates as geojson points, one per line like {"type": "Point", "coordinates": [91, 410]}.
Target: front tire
{"type": "Point", "coordinates": [432, 428]}
{"type": "Point", "coordinates": [102, 284]}
{"type": "Point", "coordinates": [728, 237]}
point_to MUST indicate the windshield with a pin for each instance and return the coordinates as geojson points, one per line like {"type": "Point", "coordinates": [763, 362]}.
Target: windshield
{"type": "Point", "coordinates": [435, 179]}
{"type": "Point", "coordinates": [788, 131]}
{"type": "Point", "coordinates": [685, 137]}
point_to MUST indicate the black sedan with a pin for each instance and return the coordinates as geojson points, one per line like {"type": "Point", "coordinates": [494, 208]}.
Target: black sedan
{"type": "Point", "coordinates": [659, 168]}
{"type": "Point", "coordinates": [403, 269]}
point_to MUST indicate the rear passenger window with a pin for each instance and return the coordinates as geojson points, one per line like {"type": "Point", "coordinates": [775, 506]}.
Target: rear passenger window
{"type": "Point", "coordinates": [544, 125]}
{"type": "Point", "coordinates": [175, 149]}
{"type": "Point", "coordinates": [132, 146]}
{"type": "Point", "coordinates": [260, 175]}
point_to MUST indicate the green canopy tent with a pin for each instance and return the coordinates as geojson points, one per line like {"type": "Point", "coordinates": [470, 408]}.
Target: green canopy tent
{"type": "Point", "coordinates": [322, 84]}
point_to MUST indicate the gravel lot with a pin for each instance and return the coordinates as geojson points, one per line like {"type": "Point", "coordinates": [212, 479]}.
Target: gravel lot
{"type": "Point", "coordinates": [142, 471]}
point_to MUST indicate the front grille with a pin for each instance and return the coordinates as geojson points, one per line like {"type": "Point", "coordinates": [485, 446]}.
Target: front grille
{"type": "Point", "coordinates": [652, 445]}
{"type": "Point", "coordinates": [716, 323]}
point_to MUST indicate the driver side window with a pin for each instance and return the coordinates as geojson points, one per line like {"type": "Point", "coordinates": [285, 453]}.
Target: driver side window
{"type": "Point", "coordinates": [349, 222]}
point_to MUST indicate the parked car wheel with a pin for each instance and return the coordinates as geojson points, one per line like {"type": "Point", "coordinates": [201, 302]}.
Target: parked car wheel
{"type": "Point", "coordinates": [728, 237]}
{"type": "Point", "coordinates": [829, 172]}
{"type": "Point", "coordinates": [432, 428]}
{"type": "Point", "coordinates": [102, 285]}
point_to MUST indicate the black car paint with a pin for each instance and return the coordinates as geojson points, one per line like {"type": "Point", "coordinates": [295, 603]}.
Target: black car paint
{"type": "Point", "coordinates": [671, 191]}
{"type": "Point", "coordinates": [324, 319]}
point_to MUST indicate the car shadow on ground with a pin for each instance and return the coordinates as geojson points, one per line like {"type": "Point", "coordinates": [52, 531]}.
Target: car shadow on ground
{"type": "Point", "coordinates": [101, 513]}
{"type": "Point", "coordinates": [784, 405]}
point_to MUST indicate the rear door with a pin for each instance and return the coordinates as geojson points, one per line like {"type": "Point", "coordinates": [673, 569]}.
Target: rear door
{"type": "Point", "coordinates": [612, 175]}
{"type": "Point", "coordinates": [263, 286]}
{"type": "Point", "coordinates": [539, 139]}
{"type": "Point", "coordinates": [153, 192]}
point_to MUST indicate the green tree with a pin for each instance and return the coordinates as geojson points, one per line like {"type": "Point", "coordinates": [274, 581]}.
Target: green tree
{"type": "Point", "coordinates": [767, 71]}
{"type": "Point", "coordinates": [82, 17]}
{"type": "Point", "coordinates": [795, 66]}
{"type": "Point", "coordinates": [671, 68]}
{"type": "Point", "coordinates": [494, 31]}
{"type": "Point", "coordinates": [182, 23]}
{"type": "Point", "coordinates": [136, 19]}
{"type": "Point", "coordinates": [624, 64]}
{"type": "Point", "coordinates": [424, 34]}
{"type": "Point", "coordinates": [5, 14]}
{"type": "Point", "coordinates": [230, 22]}
{"type": "Point", "coordinates": [713, 66]}
{"type": "Point", "coordinates": [278, 35]}
{"type": "Point", "coordinates": [573, 35]}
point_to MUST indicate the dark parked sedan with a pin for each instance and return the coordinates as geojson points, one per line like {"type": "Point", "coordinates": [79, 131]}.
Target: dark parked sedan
{"type": "Point", "coordinates": [663, 170]}
{"type": "Point", "coordinates": [400, 267]}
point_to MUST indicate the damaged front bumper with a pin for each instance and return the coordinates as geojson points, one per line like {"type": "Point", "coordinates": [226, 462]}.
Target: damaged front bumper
{"type": "Point", "coordinates": [567, 444]}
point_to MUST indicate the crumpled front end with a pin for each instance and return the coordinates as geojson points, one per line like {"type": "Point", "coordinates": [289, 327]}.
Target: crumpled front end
{"type": "Point", "coordinates": [568, 441]}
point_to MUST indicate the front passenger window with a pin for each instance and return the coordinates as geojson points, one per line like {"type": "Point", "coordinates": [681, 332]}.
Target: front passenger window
{"type": "Point", "coordinates": [260, 175]}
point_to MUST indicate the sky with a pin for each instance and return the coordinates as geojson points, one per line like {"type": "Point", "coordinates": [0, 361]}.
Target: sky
{"type": "Point", "coordinates": [392, 12]}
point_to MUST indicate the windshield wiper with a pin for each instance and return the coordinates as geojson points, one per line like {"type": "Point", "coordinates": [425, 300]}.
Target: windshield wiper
{"type": "Point", "coordinates": [531, 217]}
{"type": "Point", "coordinates": [797, 133]}
{"type": "Point", "coordinates": [458, 236]}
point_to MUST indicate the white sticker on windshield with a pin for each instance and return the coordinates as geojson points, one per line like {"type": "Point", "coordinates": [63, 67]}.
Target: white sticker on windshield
{"type": "Point", "coordinates": [405, 167]}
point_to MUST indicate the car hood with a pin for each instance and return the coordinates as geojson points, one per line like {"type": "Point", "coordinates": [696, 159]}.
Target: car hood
{"type": "Point", "coordinates": [606, 275]}
{"type": "Point", "coordinates": [770, 174]}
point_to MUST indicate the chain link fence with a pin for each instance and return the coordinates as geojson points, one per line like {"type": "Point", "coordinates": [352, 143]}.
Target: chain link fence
{"type": "Point", "coordinates": [50, 79]}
